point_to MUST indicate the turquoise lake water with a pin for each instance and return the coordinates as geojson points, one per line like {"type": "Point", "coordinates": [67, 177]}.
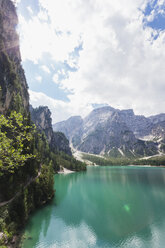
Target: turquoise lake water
{"type": "Point", "coordinates": [120, 207]}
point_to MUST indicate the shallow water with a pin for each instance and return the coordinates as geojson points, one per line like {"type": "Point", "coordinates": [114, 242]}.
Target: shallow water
{"type": "Point", "coordinates": [103, 207]}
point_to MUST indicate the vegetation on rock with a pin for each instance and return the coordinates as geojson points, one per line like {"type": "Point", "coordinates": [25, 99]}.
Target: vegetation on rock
{"type": "Point", "coordinates": [15, 140]}
{"type": "Point", "coordinates": [27, 178]}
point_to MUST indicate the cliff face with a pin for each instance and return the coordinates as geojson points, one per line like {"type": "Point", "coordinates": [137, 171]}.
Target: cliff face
{"type": "Point", "coordinates": [42, 119]}
{"type": "Point", "coordinates": [13, 86]}
{"type": "Point", "coordinates": [30, 183]}
{"type": "Point", "coordinates": [109, 134]}
{"type": "Point", "coordinates": [27, 163]}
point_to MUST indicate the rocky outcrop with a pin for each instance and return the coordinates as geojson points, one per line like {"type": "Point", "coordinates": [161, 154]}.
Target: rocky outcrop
{"type": "Point", "coordinates": [13, 85]}
{"type": "Point", "coordinates": [114, 132]}
{"type": "Point", "coordinates": [41, 117]}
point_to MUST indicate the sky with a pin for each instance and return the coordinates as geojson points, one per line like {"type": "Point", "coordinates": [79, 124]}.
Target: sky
{"type": "Point", "coordinates": [79, 54]}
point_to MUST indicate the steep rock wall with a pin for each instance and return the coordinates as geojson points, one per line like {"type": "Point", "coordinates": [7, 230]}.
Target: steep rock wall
{"type": "Point", "coordinates": [41, 116]}
{"type": "Point", "coordinates": [13, 85]}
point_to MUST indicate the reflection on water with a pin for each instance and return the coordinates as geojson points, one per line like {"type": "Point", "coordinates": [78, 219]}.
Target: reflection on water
{"type": "Point", "coordinates": [103, 207]}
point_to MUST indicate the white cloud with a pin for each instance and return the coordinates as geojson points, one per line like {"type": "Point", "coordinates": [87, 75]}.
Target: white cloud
{"type": "Point", "coordinates": [56, 78]}
{"type": "Point", "coordinates": [38, 78]}
{"type": "Point", "coordinates": [160, 2]}
{"type": "Point", "coordinates": [58, 75]}
{"type": "Point", "coordinates": [43, 16]}
{"type": "Point", "coordinates": [45, 69]}
{"type": "Point", "coordinates": [151, 17]}
{"type": "Point", "coordinates": [60, 110]}
{"type": "Point", "coordinates": [120, 64]}
{"type": "Point", "coordinates": [30, 10]}
{"type": "Point", "coordinates": [39, 37]}
{"type": "Point", "coordinates": [158, 8]}
{"type": "Point", "coordinates": [39, 99]}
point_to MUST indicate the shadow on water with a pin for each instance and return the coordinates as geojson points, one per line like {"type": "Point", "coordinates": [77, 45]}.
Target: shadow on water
{"type": "Point", "coordinates": [117, 204]}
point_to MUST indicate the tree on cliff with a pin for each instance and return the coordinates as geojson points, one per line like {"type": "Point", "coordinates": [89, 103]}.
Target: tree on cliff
{"type": "Point", "coordinates": [15, 140]}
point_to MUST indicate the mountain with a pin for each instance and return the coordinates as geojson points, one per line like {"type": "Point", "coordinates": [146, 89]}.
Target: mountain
{"type": "Point", "coordinates": [26, 171]}
{"type": "Point", "coordinates": [157, 118]}
{"type": "Point", "coordinates": [70, 126]}
{"type": "Point", "coordinates": [29, 154]}
{"type": "Point", "coordinates": [13, 86]}
{"type": "Point", "coordinates": [60, 151]}
{"type": "Point", "coordinates": [41, 117]}
{"type": "Point", "coordinates": [116, 133]}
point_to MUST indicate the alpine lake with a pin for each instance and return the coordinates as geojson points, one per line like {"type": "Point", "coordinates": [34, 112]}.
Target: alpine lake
{"type": "Point", "coordinates": [104, 207]}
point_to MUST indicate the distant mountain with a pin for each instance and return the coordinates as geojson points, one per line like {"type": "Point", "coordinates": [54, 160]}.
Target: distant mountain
{"type": "Point", "coordinates": [116, 133]}
{"type": "Point", "coordinates": [69, 127]}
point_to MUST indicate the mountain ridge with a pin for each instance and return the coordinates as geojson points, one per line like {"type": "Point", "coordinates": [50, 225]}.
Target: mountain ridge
{"type": "Point", "coordinates": [115, 132]}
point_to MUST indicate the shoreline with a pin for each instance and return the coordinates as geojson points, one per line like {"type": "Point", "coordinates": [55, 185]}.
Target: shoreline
{"type": "Point", "coordinates": [162, 166]}
{"type": "Point", "coordinates": [63, 170]}
{"type": "Point", "coordinates": [16, 241]}
{"type": "Point", "coordinates": [129, 165]}
{"type": "Point", "coordinates": [135, 165]}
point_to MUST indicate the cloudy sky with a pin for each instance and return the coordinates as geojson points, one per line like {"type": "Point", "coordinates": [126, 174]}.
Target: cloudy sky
{"type": "Point", "coordinates": [79, 54]}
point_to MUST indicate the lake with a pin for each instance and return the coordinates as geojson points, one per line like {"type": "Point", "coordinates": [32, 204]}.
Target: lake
{"type": "Point", "coordinates": [104, 207]}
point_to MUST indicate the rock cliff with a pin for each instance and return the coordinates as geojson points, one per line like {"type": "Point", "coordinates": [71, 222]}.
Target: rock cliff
{"type": "Point", "coordinates": [41, 117]}
{"type": "Point", "coordinates": [26, 171]}
{"type": "Point", "coordinates": [13, 85]}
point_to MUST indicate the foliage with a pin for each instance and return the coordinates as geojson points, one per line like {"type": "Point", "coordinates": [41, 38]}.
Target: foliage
{"type": "Point", "coordinates": [69, 162]}
{"type": "Point", "coordinates": [34, 181]}
{"type": "Point", "coordinates": [26, 174]}
{"type": "Point", "coordinates": [105, 161]}
{"type": "Point", "coordinates": [43, 187]}
{"type": "Point", "coordinates": [157, 160]}
{"type": "Point", "coordinates": [15, 140]}
{"type": "Point", "coordinates": [58, 158]}
{"type": "Point", "coordinates": [13, 216]}
{"type": "Point", "coordinates": [114, 153]}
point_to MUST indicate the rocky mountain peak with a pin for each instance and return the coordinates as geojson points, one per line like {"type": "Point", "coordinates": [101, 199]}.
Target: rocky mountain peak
{"type": "Point", "coordinates": [115, 132]}
{"type": "Point", "coordinates": [101, 113]}
{"type": "Point", "coordinates": [127, 112]}
{"type": "Point", "coordinates": [42, 117]}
